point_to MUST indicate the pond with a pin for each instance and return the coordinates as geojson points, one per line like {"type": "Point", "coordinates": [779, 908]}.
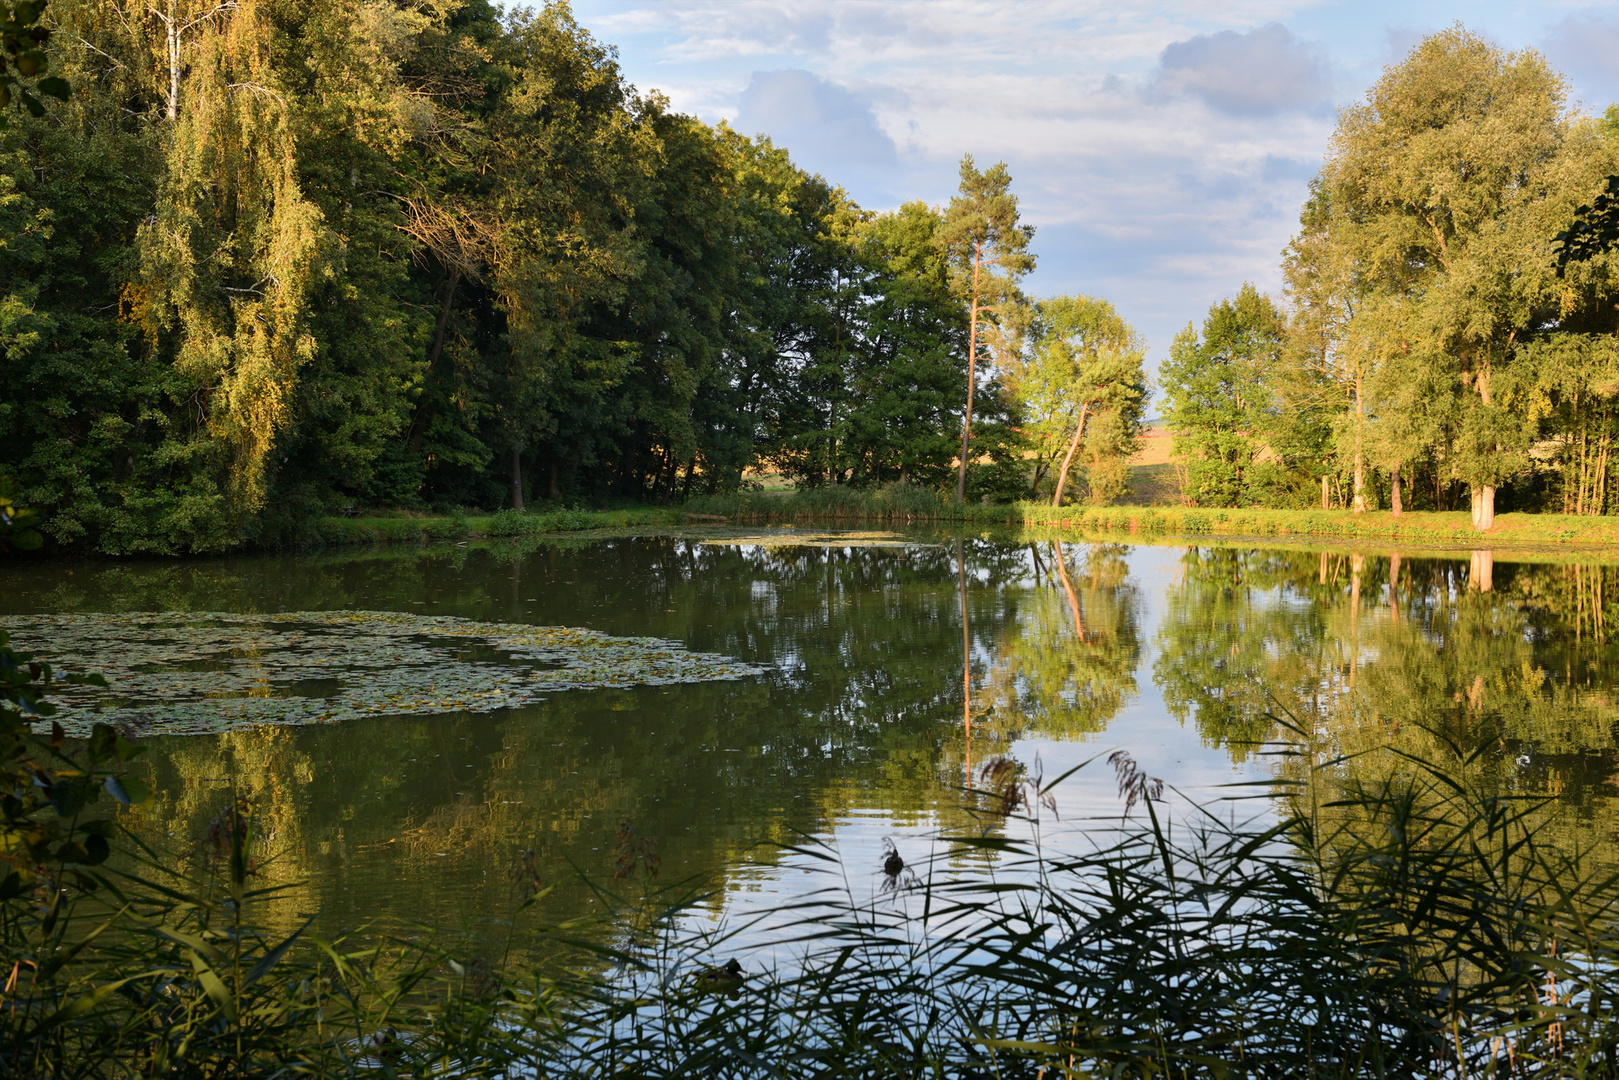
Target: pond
{"type": "Point", "coordinates": [858, 686]}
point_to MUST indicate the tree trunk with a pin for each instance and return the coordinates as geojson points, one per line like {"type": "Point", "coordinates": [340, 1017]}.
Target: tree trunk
{"type": "Point", "coordinates": [966, 663]}
{"type": "Point", "coordinates": [1358, 503]}
{"type": "Point", "coordinates": [418, 423]}
{"type": "Point", "coordinates": [972, 379]}
{"type": "Point", "coordinates": [1394, 496]}
{"type": "Point", "coordinates": [517, 478]}
{"type": "Point", "coordinates": [1394, 586]}
{"type": "Point", "coordinates": [1326, 495]}
{"type": "Point", "coordinates": [1484, 494]}
{"type": "Point", "coordinates": [173, 109]}
{"type": "Point", "coordinates": [553, 489]}
{"type": "Point", "coordinates": [1483, 500]}
{"type": "Point", "coordinates": [1068, 458]}
{"type": "Point", "coordinates": [1059, 562]}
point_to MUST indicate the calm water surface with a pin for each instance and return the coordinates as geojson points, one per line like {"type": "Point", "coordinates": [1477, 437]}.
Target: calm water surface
{"type": "Point", "coordinates": [866, 724]}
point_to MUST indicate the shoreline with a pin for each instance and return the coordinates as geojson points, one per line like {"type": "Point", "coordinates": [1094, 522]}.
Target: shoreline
{"type": "Point", "coordinates": [841, 510]}
{"type": "Point", "coordinates": [1450, 531]}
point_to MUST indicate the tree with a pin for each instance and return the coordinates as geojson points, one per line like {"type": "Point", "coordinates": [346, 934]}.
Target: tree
{"type": "Point", "coordinates": [1085, 368]}
{"type": "Point", "coordinates": [988, 251]}
{"type": "Point", "coordinates": [24, 64]}
{"type": "Point", "coordinates": [1219, 398]}
{"type": "Point", "coordinates": [1435, 187]}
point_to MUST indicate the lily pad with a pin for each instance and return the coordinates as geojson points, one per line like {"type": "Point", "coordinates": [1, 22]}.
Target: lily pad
{"type": "Point", "coordinates": [197, 673]}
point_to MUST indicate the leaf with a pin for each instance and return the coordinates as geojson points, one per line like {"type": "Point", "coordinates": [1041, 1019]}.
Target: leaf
{"type": "Point", "coordinates": [273, 957]}
{"type": "Point", "coordinates": [213, 985]}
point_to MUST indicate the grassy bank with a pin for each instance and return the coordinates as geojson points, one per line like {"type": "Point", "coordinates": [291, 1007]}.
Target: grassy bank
{"type": "Point", "coordinates": [901, 505]}
{"type": "Point", "coordinates": [417, 528]}
{"type": "Point", "coordinates": [904, 505]}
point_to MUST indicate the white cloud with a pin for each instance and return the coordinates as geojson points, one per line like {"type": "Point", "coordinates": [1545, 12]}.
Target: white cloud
{"type": "Point", "coordinates": [824, 125]}
{"type": "Point", "coordinates": [1586, 46]}
{"type": "Point", "coordinates": [1162, 148]}
{"type": "Point", "coordinates": [1257, 73]}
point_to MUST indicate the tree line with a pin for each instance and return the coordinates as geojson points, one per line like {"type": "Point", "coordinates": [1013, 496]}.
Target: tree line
{"type": "Point", "coordinates": [273, 260]}
{"type": "Point", "coordinates": [1430, 351]}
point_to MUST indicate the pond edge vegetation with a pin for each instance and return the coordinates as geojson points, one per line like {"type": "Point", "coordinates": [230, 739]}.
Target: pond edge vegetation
{"type": "Point", "coordinates": [901, 505]}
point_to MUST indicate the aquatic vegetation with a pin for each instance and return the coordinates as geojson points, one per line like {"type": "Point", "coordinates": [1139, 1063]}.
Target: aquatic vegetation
{"type": "Point", "coordinates": [811, 538]}
{"type": "Point", "coordinates": [195, 673]}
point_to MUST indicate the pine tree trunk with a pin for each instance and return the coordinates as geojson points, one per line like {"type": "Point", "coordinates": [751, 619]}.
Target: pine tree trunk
{"type": "Point", "coordinates": [972, 379]}
{"type": "Point", "coordinates": [517, 478]}
{"type": "Point", "coordinates": [1394, 496]}
{"type": "Point", "coordinates": [1484, 494]}
{"type": "Point", "coordinates": [1068, 458]}
{"type": "Point", "coordinates": [1326, 497]}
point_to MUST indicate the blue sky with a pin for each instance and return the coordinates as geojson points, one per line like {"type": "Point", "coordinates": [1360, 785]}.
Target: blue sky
{"type": "Point", "coordinates": [1162, 149]}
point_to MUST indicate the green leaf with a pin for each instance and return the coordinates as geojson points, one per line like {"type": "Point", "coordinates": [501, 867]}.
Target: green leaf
{"type": "Point", "coordinates": [273, 957]}
{"type": "Point", "coordinates": [213, 985]}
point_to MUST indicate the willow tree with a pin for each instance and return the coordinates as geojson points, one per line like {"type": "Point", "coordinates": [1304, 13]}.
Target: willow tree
{"type": "Point", "coordinates": [989, 251]}
{"type": "Point", "coordinates": [1432, 184]}
{"type": "Point", "coordinates": [1082, 384]}
{"type": "Point", "coordinates": [233, 245]}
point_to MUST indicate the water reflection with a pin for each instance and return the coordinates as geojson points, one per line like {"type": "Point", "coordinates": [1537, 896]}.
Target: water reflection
{"type": "Point", "coordinates": [1379, 655]}
{"type": "Point", "coordinates": [861, 728]}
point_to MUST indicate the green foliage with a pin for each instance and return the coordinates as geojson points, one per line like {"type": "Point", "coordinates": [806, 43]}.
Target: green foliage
{"type": "Point", "coordinates": [1218, 396]}
{"type": "Point", "coordinates": [17, 523]}
{"type": "Point", "coordinates": [1080, 394]}
{"type": "Point", "coordinates": [277, 261]}
{"type": "Point", "coordinates": [23, 57]}
{"type": "Point", "coordinates": [1595, 229]}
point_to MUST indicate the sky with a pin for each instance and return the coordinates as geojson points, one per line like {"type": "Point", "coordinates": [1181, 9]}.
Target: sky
{"type": "Point", "coordinates": [1162, 150]}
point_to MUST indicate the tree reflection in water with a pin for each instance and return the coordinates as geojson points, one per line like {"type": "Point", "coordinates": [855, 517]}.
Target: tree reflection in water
{"type": "Point", "coordinates": [1509, 656]}
{"type": "Point", "coordinates": [858, 716]}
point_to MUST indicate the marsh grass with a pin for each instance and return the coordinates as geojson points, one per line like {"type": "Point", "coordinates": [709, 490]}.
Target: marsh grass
{"type": "Point", "coordinates": [1415, 925]}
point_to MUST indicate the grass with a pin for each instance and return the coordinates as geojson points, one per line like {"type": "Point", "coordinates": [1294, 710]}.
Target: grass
{"type": "Point", "coordinates": [506, 523]}
{"type": "Point", "coordinates": [903, 505]}
{"type": "Point", "coordinates": [1412, 926]}
{"type": "Point", "coordinates": [900, 504]}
